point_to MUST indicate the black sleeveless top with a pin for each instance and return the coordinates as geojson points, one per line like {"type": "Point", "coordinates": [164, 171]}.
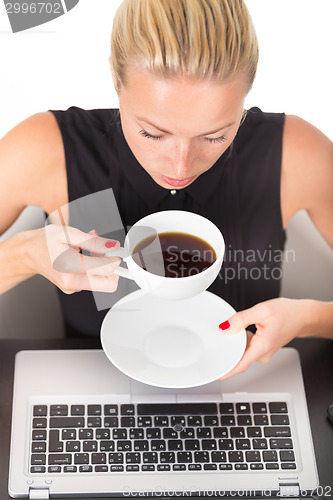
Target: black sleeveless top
{"type": "Point", "coordinates": [240, 194]}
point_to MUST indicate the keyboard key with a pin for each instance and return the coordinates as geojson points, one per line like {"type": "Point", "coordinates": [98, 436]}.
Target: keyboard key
{"type": "Point", "coordinates": [85, 468]}
{"type": "Point", "coordinates": [55, 445]}
{"type": "Point", "coordinates": [184, 457]}
{"type": "Point", "coordinates": [106, 446]}
{"type": "Point", "coordinates": [244, 420]}
{"type": "Point", "coordinates": [225, 467]}
{"type": "Point", "coordinates": [287, 456]}
{"type": "Point", "coordinates": [132, 468]}
{"type": "Point", "coordinates": [153, 433]}
{"type": "Point", "coordinates": [278, 407]}
{"type": "Point", "coordinates": [38, 447]}
{"type": "Point", "coordinates": [279, 419]}
{"type": "Point", "coordinates": [277, 431]}
{"type": "Point", "coordinates": [204, 432]}
{"type": "Point", "coordinates": [94, 410]}
{"type": "Point", "coordinates": [60, 459]}
{"type": "Point", "coordinates": [252, 456]}
{"type": "Point", "coordinates": [175, 444]}
{"type": "Point", "coordinates": [192, 467]}
{"type": "Point", "coordinates": [169, 433]}
{"type": "Point", "coordinates": [219, 456]}
{"type": "Point", "coordinates": [124, 445]}
{"type": "Point", "coordinates": [59, 410]}
{"type": "Point", "coordinates": [272, 466]}
{"type": "Point", "coordinates": [259, 407]}
{"type": "Point", "coordinates": [94, 422]}
{"type": "Point", "coordinates": [101, 468]}
{"type": "Point", "coordinates": [39, 435]}
{"type": "Point", "coordinates": [226, 444]}
{"type": "Point", "coordinates": [38, 459]}
{"type": "Point", "coordinates": [243, 444]}
{"type": "Point", "coordinates": [255, 466]}
{"type": "Point", "coordinates": [98, 458]}
{"type": "Point", "coordinates": [148, 468]}
{"type": "Point", "coordinates": [177, 420]}
{"type": "Point", "coordinates": [163, 467]}
{"type": "Point", "coordinates": [201, 456]}
{"type": "Point", "coordinates": [117, 468]}
{"type": "Point", "coordinates": [116, 458]}
{"type": "Point", "coordinates": [86, 434]}
{"type": "Point", "coordinates": [237, 432]}
{"type": "Point", "coordinates": [90, 446]}
{"type": "Point", "coordinates": [39, 411]}
{"type": "Point", "coordinates": [211, 421]}
{"type": "Point", "coordinates": [168, 457]}
{"type": "Point", "coordinates": [127, 410]}
{"type": "Point", "coordinates": [70, 468]}
{"type": "Point", "coordinates": [73, 446]}
{"type": "Point", "coordinates": [158, 445]}
{"type": "Point", "coordinates": [209, 444]}
{"type": "Point", "coordinates": [136, 433]}
{"type": "Point", "coordinates": [227, 420]}
{"type": "Point", "coordinates": [241, 466]}
{"type": "Point", "coordinates": [110, 410]}
{"type": "Point", "coordinates": [280, 443]}
{"type": "Point", "coordinates": [133, 458]}
{"type": "Point", "coordinates": [77, 410]}
{"type": "Point", "coordinates": [178, 409]}
{"type": "Point", "coordinates": [269, 456]}
{"type": "Point", "coordinates": [111, 422]}
{"type": "Point", "coordinates": [210, 467]}
{"type": "Point", "coordinates": [67, 434]}
{"type": "Point", "coordinates": [287, 466]}
{"type": "Point", "coordinates": [259, 444]}
{"type": "Point", "coordinates": [179, 467]}
{"type": "Point", "coordinates": [54, 469]}
{"type": "Point", "coordinates": [188, 433]}
{"type": "Point", "coordinates": [142, 445]}
{"type": "Point", "coordinates": [261, 420]}
{"type": "Point", "coordinates": [39, 423]}
{"type": "Point", "coordinates": [103, 434]}
{"type": "Point", "coordinates": [242, 408]}
{"type": "Point", "coordinates": [66, 422]}
{"type": "Point", "coordinates": [161, 421]}
{"type": "Point", "coordinates": [254, 432]}
{"type": "Point", "coordinates": [144, 422]}
{"type": "Point", "coordinates": [220, 432]}
{"type": "Point", "coordinates": [194, 420]}
{"type": "Point", "coordinates": [81, 458]}
{"type": "Point", "coordinates": [236, 456]}
{"type": "Point", "coordinates": [226, 408]}
{"type": "Point", "coordinates": [119, 433]}
{"type": "Point", "coordinates": [150, 457]}
{"type": "Point", "coordinates": [127, 421]}
{"type": "Point", "coordinates": [192, 444]}
{"type": "Point", "coordinates": [37, 469]}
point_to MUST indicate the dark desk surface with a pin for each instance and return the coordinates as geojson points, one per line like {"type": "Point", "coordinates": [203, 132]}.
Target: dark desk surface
{"type": "Point", "coordinates": [317, 364]}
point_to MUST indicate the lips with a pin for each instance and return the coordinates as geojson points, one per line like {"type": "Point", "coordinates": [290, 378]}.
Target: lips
{"type": "Point", "coordinates": [177, 182]}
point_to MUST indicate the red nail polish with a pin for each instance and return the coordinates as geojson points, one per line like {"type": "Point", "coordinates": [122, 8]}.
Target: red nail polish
{"type": "Point", "coordinates": [225, 325]}
{"type": "Point", "coordinates": [110, 244]}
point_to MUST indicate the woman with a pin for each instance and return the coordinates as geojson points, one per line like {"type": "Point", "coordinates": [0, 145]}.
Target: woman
{"type": "Point", "coordinates": [181, 140]}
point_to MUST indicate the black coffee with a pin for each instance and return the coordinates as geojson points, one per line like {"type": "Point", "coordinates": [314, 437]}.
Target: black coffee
{"type": "Point", "coordinates": [182, 255]}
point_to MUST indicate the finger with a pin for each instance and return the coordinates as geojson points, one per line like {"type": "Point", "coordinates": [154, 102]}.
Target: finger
{"type": "Point", "coordinates": [242, 319]}
{"type": "Point", "coordinates": [72, 261]}
{"type": "Point", "coordinates": [71, 283]}
{"type": "Point", "coordinates": [86, 241]}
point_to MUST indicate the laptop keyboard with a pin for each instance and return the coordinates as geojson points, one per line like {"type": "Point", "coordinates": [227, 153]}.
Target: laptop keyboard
{"type": "Point", "coordinates": [116, 438]}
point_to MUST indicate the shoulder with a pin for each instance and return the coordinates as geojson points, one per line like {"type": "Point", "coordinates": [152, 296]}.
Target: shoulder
{"type": "Point", "coordinates": [84, 119]}
{"type": "Point", "coordinates": [307, 170]}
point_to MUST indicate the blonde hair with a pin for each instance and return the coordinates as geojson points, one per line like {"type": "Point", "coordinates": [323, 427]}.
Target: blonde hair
{"type": "Point", "coordinates": [212, 39]}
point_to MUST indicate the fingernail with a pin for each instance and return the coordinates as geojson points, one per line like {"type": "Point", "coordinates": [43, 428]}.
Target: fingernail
{"type": "Point", "coordinates": [95, 232]}
{"type": "Point", "coordinates": [225, 325]}
{"type": "Point", "coordinates": [110, 244]}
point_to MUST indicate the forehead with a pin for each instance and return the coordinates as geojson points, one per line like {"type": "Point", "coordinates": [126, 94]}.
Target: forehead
{"type": "Point", "coordinates": [181, 103]}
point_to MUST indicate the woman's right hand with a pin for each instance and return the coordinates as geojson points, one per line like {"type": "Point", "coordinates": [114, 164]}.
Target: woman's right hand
{"type": "Point", "coordinates": [54, 252]}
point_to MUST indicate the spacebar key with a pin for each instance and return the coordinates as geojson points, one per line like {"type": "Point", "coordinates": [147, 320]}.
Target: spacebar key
{"type": "Point", "coordinates": [177, 409]}
{"type": "Point", "coordinates": [66, 422]}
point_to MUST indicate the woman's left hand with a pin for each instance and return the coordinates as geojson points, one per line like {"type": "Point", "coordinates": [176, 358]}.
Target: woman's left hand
{"type": "Point", "coordinates": [278, 321]}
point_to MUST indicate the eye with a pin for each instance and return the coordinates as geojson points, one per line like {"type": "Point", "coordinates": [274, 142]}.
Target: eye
{"type": "Point", "coordinates": [150, 136]}
{"type": "Point", "coordinates": [216, 140]}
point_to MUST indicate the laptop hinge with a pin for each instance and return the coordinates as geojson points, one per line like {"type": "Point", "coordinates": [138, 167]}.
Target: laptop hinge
{"type": "Point", "coordinates": [289, 489]}
{"type": "Point", "coordinates": [39, 493]}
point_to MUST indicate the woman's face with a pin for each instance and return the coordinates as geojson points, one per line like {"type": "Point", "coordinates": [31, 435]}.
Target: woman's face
{"type": "Point", "coordinates": [178, 128]}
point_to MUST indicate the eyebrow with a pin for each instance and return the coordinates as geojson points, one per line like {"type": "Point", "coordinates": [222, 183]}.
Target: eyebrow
{"type": "Point", "coordinates": [167, 132]}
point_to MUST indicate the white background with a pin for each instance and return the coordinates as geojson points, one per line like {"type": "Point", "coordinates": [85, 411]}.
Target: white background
{"type": "Point", "coordinates": [65, 62]}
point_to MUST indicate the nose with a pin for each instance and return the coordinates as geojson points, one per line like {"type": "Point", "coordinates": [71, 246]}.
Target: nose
{"type": "Point", "coordinates": [182, 160]}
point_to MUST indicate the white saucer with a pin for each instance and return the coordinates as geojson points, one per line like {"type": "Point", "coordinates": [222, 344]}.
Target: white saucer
{"type": "Point", "coordinates": [171, 344]}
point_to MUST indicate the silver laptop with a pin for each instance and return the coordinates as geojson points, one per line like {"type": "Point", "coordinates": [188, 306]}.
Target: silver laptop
{"type": "Point", "coordinates": [81, 428]}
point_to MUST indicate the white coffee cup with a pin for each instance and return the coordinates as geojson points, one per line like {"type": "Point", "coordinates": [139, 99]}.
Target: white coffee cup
{"type": "Point", "coordinates": [174, 221]}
